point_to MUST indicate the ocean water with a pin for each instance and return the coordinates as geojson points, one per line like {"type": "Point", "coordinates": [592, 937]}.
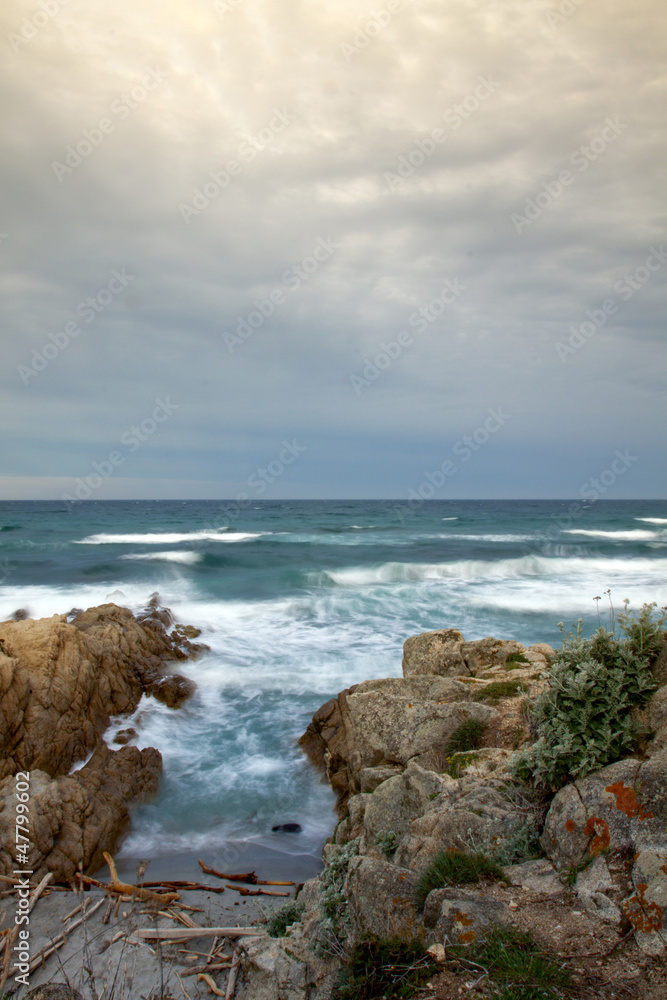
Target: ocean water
{"type": "Point", "coordinates": [299, 599]}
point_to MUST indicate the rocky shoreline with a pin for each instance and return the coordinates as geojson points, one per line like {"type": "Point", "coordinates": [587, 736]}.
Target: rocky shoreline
{"type": "Point", "coordinates": [584, 870]}
{"type": "Point", "coordinates": [61, 680]}
{"type": "Point", "coordinates": [422, 765]}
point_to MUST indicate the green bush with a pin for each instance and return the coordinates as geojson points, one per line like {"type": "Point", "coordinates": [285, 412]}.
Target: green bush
{"type": "Point", "coordinates": [468, 736]}
{"type": "Point", "coordinates": [583, 719]}
{"type": "Point", "coordinates": [392, 969]}
{"type": "Point", "coordinates": [283, 917]}
{"type": "Point", "coordinates": [453, 867]}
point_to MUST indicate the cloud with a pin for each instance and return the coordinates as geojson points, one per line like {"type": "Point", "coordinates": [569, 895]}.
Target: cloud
{"type": "Point", "coordinates": [476, 110]}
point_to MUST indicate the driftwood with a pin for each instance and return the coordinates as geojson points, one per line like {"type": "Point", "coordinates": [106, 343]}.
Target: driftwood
{"type": "Point", "coordinates": [231, 982]}
{"type": "Point", "coordinates": [257, 892]}
{"type": "Point", "coordinates": [11, 937]}
{"type": "Point", "coordinates": [204, 978]}
{"type": "Point", "coordinates": [194, 886]}
{"type": "Point", "coordinates": [188, 933]}
{"type": "Point", "coordinates": [213, 967]}
{"type": "Point", "coordinates": [133, 892]}
{"type": "Point", "coordinates": [249, 877]}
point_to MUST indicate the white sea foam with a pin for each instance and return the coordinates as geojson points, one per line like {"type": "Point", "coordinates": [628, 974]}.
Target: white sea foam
{"type": "Point", "coordinates": [631, 535]}
{"type": "Point", "coordinates": [652, 520]}
{"type": "Point", "coordinates": [169, 537]}
{"type": "Point", "coordinates": [185, 558]}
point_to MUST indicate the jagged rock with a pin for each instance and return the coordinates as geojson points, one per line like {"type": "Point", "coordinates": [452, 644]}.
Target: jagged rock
{"type": "Point", "coordinates": [172, 690]}
{"type": "Point", "coordinates": [484, 653]}
{"type": "Point", "coordinates": [60, 682]}
{"type": "Point", "coordinates": [471, 809]}
{"type": "Point", "coordinates": [384, 724]}
{"type": "Point", "coordinates": [73, 819]}
{"type": "Point", "coordinates": [381, 900]}
{"type": "Point", "coordinates": [371, 778]}
{"type": "Point", "coordinates": [594, 878]}
{"type": "Point", "coordinates": [436, 652]}
{"type": "Point", "coordinates": [622, 807]}
{"type": "Point", "coordinates": [537, 876]}
{"type": "Point", "coordinates": [396, 803]}
{"type": "Point", "coordinates": [459, 916]}
{"type": "Point", "coordinates": [123, 736]}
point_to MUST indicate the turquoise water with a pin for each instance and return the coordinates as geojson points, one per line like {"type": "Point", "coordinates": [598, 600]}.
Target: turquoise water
{"type": "Point", "coordinates": [299, 599]}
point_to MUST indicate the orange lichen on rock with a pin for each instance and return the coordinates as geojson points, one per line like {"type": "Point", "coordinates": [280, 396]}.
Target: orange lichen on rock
{"type": "Point", "coordinates": [465, 937]}
{"type": "Point", "coordinates": [597, 829]}
{"type": "Point", "coordinates": [626, 801]}
{"type": "Point", "coordinates": [644, 916]}
{"type": "Point", "coordinates": [569, 826]}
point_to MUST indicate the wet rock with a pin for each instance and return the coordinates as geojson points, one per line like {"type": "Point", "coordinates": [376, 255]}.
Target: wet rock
{"type": "Point", "coordinates": [123, 736]}
{"type": "Point", "coordinates": [287, 828]}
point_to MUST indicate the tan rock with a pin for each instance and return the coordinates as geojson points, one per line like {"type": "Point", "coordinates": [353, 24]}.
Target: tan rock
{"type": "Point", "coordinates": [436, 652]}
{"type": "Point", "coordinates": [73, 819]}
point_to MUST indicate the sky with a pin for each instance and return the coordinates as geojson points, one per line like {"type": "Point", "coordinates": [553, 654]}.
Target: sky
{"type": "Point", "coordinates": [334, 248]}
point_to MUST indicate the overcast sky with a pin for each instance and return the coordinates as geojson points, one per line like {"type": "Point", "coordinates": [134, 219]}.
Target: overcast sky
{"type": "Point", "coordinates": [417, 206]}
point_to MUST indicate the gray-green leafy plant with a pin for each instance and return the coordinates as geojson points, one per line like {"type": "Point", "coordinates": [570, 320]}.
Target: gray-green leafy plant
{"type": "Point", "coordinates": [387, 843]}
{"type": "Point", "coordinates": [332, 903]}
{"type": "Point", "coordinates": [583, 719]}
{"type": "Point", "coordinates": [283, 918]}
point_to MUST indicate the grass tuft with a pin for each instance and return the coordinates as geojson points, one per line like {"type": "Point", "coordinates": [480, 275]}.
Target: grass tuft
{"type": "Point", "coordinates": [518, 968]}
{"type": "Point", "coordinates": [500, 689]}
{"type": "Point", "coordinates": [392, 969]}
{"type": "Point", "coordinates": [468, 736]}
{"type": "Point", "coordinates": [453, 867]}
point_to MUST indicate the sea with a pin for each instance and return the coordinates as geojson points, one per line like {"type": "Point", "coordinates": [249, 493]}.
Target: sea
{"type": "Point", "coordinates": [298, 600]}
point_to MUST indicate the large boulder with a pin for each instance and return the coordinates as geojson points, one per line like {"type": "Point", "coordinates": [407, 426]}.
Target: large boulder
{"type": "Point", "coordinates": [73, 819]}
{"type": "Point", "coordinates": [436, 652]}
{"type": "Point", "coordinates": [384, 724]}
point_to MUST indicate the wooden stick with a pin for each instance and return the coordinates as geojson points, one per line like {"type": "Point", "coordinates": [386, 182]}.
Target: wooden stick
{"type": "Point", "coordinates": [257, 892]}
{"type": "Point", "coordinates": [189, 933]}
{"type": "Point", "coordinates": [183, 886]}
{"type": "Point", "coordinates": [59, 941]}
{"type": "Point", "coordinates": [10, 939]}
{"type": "Point", "coordinates": [231, 982]}
{"type": "Point", "coordinates": [249, 877]}
{"type": "Point", "coordinates": [204, 978]}
{"type": "Point", "coordinates": [195, 970]}
{"type": "Point", "coordinates": [144, 895]}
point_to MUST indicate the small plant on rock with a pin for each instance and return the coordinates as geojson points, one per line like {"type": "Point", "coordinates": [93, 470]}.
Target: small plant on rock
{"type": "Point", "coordinates": [517, 967]}
{"type": "Point", "coordinates": [515, 660]}
{"type": "Point", "coordinates": [283, 918]}
{"type": "Point", "coordinates": [333, 905]}
{"type": "Point", "coordinates": [452, 867]}
{"type": "Point", "coordinates": [467, 736]}
{"type": "Point", "coordinates": [499, 689]}
{"type": "Point", "coordinates": [387, 843]}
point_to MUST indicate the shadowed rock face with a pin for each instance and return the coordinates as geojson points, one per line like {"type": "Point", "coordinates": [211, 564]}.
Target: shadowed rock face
{"type": "Point", "coordinates": [60, 682]}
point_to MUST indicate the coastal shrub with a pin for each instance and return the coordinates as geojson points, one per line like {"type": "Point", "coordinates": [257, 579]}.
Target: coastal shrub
{"type": "Point", "coordinates": [583, 719]}
{"type": "Point", "coordinates": [520, 843]}
{"type": "Point", "coordinates": [452, 867]}
{"type": "Point", "coordinates": [283, 918]}
{"type": "Point", "coordinates": [499, 689]}
{"type": "Point", "coordinates": [392, 969]}
{"type": "Point", "coordinates": [468, 736]}
{"type": "Point", "coordinates": [332, 903]}
{"type": "Point", "coordinates": [387, 843]}
{"type": "Point", "coordinates": [515, 660]}
{"type": "Point", "coordinates": [456, 764]}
